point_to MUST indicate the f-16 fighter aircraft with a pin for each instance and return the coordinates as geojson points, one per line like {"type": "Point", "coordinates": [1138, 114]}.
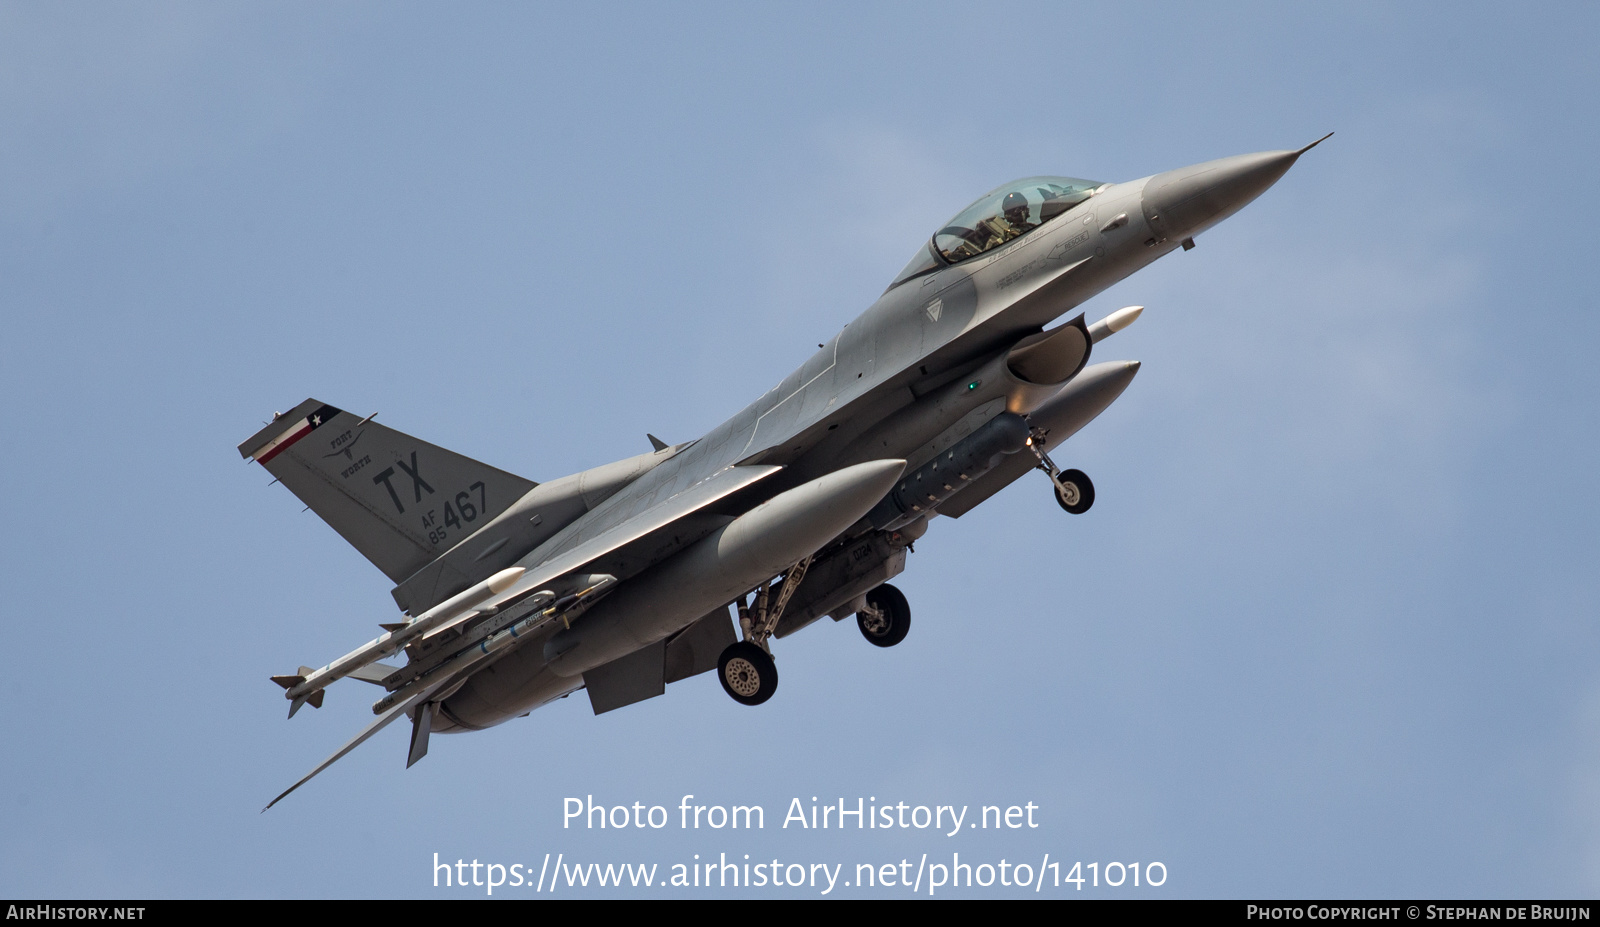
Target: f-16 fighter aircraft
{"type": "Point", "coordinates": [618, 580]}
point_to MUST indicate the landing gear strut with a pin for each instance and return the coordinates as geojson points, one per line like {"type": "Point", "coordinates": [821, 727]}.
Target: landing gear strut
{"type": "Point", "coordinates": [746, 669]}
{"type": "Point", "coordinates": [1074, 492]}
{"type": "Point", "coordinates": [886, 618]}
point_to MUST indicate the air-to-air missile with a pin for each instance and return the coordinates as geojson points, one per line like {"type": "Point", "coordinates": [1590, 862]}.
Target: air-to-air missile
{"type": "Point", "coordinates": [307, 686]}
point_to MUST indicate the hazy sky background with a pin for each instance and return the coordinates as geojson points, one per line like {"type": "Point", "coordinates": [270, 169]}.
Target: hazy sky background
{"type": "Point", "coordinates": [1330, 629]}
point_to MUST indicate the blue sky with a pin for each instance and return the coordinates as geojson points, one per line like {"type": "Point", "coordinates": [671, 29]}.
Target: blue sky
{"type": "Point", "coordinates": [1328, 630]}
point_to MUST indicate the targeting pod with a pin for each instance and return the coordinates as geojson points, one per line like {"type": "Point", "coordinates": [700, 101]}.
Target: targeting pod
{"type": "Point", "coordinates": [942, 477]}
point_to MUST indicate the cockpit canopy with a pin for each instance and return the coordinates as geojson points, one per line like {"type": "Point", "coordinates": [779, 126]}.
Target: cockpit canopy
{"type": "Point", "coordinates": [999, 216]}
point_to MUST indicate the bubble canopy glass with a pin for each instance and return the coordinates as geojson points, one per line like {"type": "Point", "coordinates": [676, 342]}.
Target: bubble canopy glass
{"type": "Point", "coordinates": [997, 217]}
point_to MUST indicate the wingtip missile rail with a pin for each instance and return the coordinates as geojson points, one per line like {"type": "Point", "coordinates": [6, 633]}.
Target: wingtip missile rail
{"type": "Point", "coordinates": [307, 686]}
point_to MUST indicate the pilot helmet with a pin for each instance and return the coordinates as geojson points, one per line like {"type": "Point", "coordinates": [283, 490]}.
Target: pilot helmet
{"type": "Point", "coordinates": [1015, 207]}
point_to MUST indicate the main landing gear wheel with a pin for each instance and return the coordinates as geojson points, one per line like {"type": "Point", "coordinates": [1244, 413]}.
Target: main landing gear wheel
{"type": "Point", "coordinates": [1074, 492]}
{"type": "Point", "coordinates": [886, 618]}
{"type": "Point", "coordinates": [747, 673]}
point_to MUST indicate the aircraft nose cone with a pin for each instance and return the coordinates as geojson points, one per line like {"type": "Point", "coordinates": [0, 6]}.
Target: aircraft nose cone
{"type": "Point", "coordinates": [1184, 202]}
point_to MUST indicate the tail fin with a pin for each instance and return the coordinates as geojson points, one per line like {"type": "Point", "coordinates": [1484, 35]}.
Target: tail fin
{"type": "Point", "coordinates": [401, 502]}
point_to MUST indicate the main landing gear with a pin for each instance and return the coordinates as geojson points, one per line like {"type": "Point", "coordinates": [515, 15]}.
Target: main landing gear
{"type": "Point", "coordinates": [745, 669]}
{"type": "Point", "coordinates": [1074, 492]}
{"type": "Point", "coordinates": [885, 618]}
{"type": "Point", "coordinates": [747, 673]}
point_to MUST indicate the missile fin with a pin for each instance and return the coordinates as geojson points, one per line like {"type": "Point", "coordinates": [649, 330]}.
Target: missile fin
{"type": "Point", "coordinates": [288, 682]}
{"type": "Point", "coordinates": [294, 706]}
{"type": "Point", "coordinates": [374, 673]}
{"type": "Point", "coordinates": [315, 698]}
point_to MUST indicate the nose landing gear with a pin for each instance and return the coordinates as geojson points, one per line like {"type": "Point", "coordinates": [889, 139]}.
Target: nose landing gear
{"type": "Point", "coordinates": [1074, 491]}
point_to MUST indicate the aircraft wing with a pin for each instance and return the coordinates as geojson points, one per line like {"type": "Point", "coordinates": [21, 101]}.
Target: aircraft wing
{"type": "Point", "coordinates": [642, 524]}
{"type": "Point", "coordinates": [574, 551]}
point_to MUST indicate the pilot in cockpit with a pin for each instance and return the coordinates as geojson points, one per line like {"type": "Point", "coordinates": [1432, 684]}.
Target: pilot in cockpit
{"type": "Point", "coordinates": [1011, 223]}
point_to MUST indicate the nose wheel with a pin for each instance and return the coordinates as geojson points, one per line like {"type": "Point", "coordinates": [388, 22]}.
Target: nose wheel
{"type": "Point", "coordinates": [1074, 492]}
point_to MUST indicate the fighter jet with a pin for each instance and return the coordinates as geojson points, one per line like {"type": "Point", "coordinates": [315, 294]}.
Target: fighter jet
{"type": "Point", "coordinates": [619, 580]}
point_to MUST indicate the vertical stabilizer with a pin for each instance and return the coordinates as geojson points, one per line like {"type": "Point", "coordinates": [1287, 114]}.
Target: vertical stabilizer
{"type": "Point", "coordinates": [400, 501]}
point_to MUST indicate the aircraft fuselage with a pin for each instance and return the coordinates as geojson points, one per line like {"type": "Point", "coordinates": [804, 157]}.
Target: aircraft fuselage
{"type": "Point", "coordinates": [925, 365]}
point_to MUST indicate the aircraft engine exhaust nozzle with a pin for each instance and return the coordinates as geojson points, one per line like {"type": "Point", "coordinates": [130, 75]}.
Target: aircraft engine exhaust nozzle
{"type": "Point", "coordinates": [746, 552]}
